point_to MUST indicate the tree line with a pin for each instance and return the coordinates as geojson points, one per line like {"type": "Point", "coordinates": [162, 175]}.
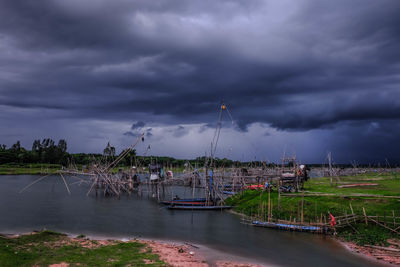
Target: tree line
{"type": "Point", "coordinates": [43, 151]}
{"type": "Point", "coordinates": [48, 151]}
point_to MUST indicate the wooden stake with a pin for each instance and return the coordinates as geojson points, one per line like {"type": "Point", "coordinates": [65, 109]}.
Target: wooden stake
{"type": "Point", "coordinates": [269, 202]}
{"type": "Point", "coordinates": [34, 182]}
{"type": "Point", "coordinates": [302, 208]}
{"type": "Point", "coordinates": [394, 219]}
{"type": "Point", "coordinates": [65, 182]}
{"type": "Point", "coordinates": [365, 216]}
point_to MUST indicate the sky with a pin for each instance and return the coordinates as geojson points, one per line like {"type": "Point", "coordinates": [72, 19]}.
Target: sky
{"type": "Point", "coordinates": [299, 77]}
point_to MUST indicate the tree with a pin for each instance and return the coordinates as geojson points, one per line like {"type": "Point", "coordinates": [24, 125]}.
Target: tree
{"type": "Point", "coordinates": [16, 147]}
{"type": "Point", "coordinates": [36, 146]}
{"type": "Point", "coordinates": [62, 145]}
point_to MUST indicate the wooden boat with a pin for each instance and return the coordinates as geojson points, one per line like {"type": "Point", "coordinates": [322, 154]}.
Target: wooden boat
{"type": "Point", "coordinates": [186, 203]}
{"type": "Point", "coordinates": [190, 199]}
{"type": "Point", "coordinates": [180, 207]}
{"type": "Point", "coordinates": [290, 227]}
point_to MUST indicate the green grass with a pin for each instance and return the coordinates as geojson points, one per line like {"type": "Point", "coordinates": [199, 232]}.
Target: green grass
{"type": "Point", "coordinates": [36, 168]}
{"type": "Point", "coordinates": [367, 235]}
{"type": "Point", "coordinates": [48, 247]}
{"type": "Point", "coordinates": [255, 203]}
{"type": "Point", "coordinates": [388, 184]}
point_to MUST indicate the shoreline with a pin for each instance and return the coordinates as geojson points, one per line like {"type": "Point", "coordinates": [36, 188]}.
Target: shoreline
{"type": "Point", "coordinates": [370, 253]}
{"type": "Point", "coordinates": [173, 252]}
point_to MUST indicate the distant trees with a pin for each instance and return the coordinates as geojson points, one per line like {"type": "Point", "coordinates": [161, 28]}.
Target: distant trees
{"type": "Point", "coordinates": [44, 151]}
{"type": "Point", "coordinates": [47, 151]}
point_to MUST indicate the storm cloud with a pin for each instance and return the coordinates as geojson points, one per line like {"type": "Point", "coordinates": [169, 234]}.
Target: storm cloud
{"type": "Point", "coordinates": [326, 71]}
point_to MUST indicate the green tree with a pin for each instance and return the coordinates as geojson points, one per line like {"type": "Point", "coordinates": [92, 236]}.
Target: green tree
{"type": "Point", "coordinates": [62, 145]}
{"type": "Point", "coordinates": [16, 147]}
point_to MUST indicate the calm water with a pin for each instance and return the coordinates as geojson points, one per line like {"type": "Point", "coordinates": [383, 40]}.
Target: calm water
{"type": "Point", "coordinates": [48, 205]}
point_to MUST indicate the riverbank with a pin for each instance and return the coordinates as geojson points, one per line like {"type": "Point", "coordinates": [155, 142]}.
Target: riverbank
{"type": "Point", "coordinates": [366, 208]}
{"type": "Point", "coordinates": [34, 169]}
{"type": "Point", "coordinates": [51, 248]}
{"type": "Point", "coordinates": [390, 254]}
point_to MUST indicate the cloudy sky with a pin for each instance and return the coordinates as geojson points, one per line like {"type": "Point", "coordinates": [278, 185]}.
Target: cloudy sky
{"type": "Point", "coordinates": [305, 76]}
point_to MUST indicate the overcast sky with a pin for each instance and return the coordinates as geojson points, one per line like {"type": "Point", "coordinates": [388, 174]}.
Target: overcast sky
{"type": "Point", "coordinates": [305, 77]}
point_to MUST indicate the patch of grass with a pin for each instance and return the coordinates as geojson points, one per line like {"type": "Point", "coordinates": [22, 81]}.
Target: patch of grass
{"type": "Point", "coordinates": [366, 235]}
{"type": "Point", "coordinates": [48, 247]}
{"type": "Point", "coordinates": [388, 184]}
{"type": "Point", "coordinates": [25, 168]}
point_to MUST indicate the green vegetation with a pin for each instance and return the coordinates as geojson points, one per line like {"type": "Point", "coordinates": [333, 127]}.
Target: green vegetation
{"type": "Point", "coordinates": [367, 235]}
{"type": "Point", "coordinates": [320, 198]}
{"type": "Point", "coordinates": [44, 248]}
{"type": "Point", "coordinates": [47, 157]}
{"type": "Point", "coordinates": [26, 168]}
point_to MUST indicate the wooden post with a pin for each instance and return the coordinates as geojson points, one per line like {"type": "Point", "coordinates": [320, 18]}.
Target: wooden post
{"type": "Point", "coordinates": [279, 197]}
{"type": "Point", "coordinates": [302, 208]}
{"type": "Point", "coordinates": [365, 216]}
{"type": "Point", "coordinates": [384, 217]}
{"type": "Point", "coordinates": [269, 202]}
{"type": "Point", "coordinates": [394, 219]}
{"type": "Point", "coordinates": [352, 212]}
{"type": "Point", "coordinates": [271, 209]}
{"type": "Point", "coordinates": [330, 166]}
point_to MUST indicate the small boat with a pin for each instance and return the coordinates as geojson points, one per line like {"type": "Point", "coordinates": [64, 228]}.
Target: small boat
{"type": "Point", "coordinates": [185, 203]}
{"type": "Point", "coordinates": [190, 199]}
{"type": "Point", "coordinates": [180, 207]}
{"type": "Point", "coordinates": [293, 227]}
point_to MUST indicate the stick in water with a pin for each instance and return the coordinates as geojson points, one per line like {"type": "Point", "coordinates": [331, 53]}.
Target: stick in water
{"type": "Point", "coordinates": [34, 182]}
{"type": "Point", "coordinates": [69, 192]}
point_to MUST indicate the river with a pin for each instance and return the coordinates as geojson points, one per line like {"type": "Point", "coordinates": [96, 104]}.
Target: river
{"type": "Point", "coordinates": [48, 205]}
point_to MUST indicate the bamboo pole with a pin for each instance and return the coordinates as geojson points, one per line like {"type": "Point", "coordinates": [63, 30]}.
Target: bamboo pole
{"type": "Point", "coordinates": [269, 203]}
{"type": "Point", "coordinates": [65, 182]}
{"type": "Point", "coordinates": [302, 208]}
{"type": "Point", "coordinates": [365, 216]}
{"type": "Point", "coordinates": [34, 182]}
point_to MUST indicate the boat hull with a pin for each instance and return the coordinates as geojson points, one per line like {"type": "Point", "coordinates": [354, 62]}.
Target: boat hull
{"type": "Point", "coordinates": [199, 207]}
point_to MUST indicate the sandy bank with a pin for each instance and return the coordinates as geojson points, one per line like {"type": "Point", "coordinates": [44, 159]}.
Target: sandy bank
{"type": "Point", "coordinates": [185, 255]}
{"type": "Point", "coordinates": [389, 255]}
{"type": "Point", "coordinates": [174, 253]}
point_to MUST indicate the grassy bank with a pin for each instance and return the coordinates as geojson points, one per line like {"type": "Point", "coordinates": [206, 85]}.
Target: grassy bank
{"type": "Point", "coordinates": [44, 168]}
{"type": "Point", "coordinates": [23, 168]}
{"type": "Point", "coordinates": [319, 198]}
{"type": "Point", "coordinates": [45, 248]}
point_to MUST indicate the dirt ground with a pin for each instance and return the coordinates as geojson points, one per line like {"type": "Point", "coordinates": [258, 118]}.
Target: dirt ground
{"type": "Point", "coordinates": [390, 254]}
{"type": "Point", "coordinates": [179, 255]}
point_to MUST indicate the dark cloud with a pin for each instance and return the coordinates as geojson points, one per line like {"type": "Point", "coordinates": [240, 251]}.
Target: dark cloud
{"type": "Point", "coordinates": [129, 134]}
{"type": "Point", "coordinates": [139, 124]}
{"type": "Point", "coordinates": [293, 66]}
{"type": "Point", "coordinates": [137, 130]}
{"type": "Point", "coordinates": [180, 131]}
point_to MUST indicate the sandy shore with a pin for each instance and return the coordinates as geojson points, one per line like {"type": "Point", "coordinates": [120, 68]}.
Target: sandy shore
{"type": "Point", "coordinates": [389, 255]}
{"type": "Point", "coordinates": [185, 255]}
